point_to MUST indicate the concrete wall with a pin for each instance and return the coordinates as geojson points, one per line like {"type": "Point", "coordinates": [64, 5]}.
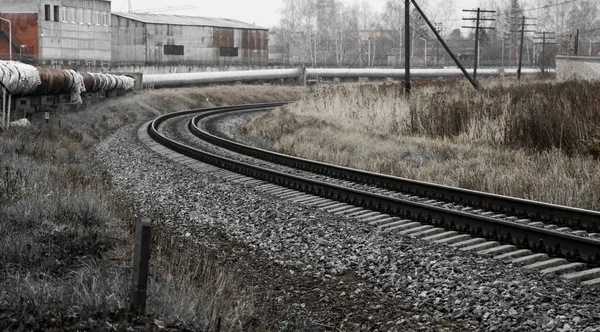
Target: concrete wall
{"type": "Point", "coordinates": [577, 67]}
{"type": "Point", "coordinates": [82, 33]}
{"type": "Point", "coordinates": [138, 43]}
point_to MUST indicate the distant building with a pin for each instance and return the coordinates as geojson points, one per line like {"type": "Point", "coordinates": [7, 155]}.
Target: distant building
{"type": "Point", "coordinates": [65, 32]}
{"type": "Point", "coordinates": [155, 39]}
{"type": "Point", "coordinates": [79, 33]}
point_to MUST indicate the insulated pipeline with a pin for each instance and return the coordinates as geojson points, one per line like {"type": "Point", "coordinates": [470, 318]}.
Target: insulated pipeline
{"type": "Point", "coordinates": [22, 79]}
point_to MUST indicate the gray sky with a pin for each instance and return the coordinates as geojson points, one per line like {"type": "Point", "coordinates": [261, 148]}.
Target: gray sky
{"type": "Point", "coordinates": [265, 13]}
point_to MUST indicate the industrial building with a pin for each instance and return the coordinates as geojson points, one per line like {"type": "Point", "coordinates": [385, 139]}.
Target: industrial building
{"type": "Point", "coordinates": [155, 39]}
{"type": "Point", "coordinates": [56, 32]}
{"type": "Point", "coordinates": [84, 33]}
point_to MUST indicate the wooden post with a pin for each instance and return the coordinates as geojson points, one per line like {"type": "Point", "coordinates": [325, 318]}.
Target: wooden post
{"type": "Point", "coordinates": [141, 262]}
{"type": "Point", "coordinates": [407, 46]}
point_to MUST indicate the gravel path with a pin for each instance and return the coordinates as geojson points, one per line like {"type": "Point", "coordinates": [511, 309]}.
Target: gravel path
{"type": "Point", "coordinates": [337, 272]}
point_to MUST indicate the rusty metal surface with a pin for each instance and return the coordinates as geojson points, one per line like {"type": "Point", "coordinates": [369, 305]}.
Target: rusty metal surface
{"type": "Point", "coordinates": [24, 32]}
{"type": "Point", "coordinates": [254, 40]}
{"type": "Point", "coordinates": [54, 81]}
{"type": "Point", "coordinates": [223, 37]}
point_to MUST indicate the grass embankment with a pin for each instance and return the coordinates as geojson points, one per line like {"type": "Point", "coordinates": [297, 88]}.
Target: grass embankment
{"type": "Point", "coordinates": [66, 235]}
{"type": "Point", "coordinates": [536, 140]}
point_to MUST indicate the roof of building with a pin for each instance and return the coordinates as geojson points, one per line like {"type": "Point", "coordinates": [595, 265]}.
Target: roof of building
{"type": "Point", "coordinates": [189, 20]}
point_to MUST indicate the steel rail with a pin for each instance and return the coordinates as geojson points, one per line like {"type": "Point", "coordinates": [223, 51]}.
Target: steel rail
{"type": "Point", "coordinates": [537, 239]}
{"type": "Point", "coordinates": [571, 217]}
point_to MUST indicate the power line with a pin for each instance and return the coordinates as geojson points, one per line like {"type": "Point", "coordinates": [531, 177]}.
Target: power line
{"type": "Point", "coordinates": [536, 8]}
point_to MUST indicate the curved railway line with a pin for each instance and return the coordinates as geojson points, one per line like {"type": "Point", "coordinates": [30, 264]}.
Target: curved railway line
{"type": "Point", "coordinates": [554, 239]}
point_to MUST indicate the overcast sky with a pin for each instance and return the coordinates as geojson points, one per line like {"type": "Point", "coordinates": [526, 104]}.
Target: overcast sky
{"type": "Point", "coordinates": [265, 13]}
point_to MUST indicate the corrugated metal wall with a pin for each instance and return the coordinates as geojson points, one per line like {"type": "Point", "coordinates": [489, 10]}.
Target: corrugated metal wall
{"type": "Point", "coordinates": [136, 42]}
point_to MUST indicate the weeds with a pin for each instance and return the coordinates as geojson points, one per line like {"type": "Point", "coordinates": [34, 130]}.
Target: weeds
{"type": "Point", "coordinates": [65, 235]}
{"type": "Point", "coordinates": [535, 140]}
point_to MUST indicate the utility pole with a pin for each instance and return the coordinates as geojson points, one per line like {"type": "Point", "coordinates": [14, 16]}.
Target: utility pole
{"type": "Point", "coordinates": [407, 46]}
{"type": "Point", "coordinates": [543, 37]}
{"type": "Point", "coordinates": [473, 81]}
{"type": "Point", "coordinates": [477, 27]}
{"type": "Point", "coordinates": [522, 31]}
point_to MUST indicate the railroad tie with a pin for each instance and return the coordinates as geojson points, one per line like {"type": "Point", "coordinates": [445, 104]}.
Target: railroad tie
{"type": "Point", "coordinates": [453, 239]}
{"type": "Point", "coordinates": [582, 275]}
{"type": "Point", "coordinates": [527, 260]}
{"type": "Point", "coordinates": [468, 242]}
{"type": "Point", "coordinates": [428, 232]}
{"type": "Point", "coordinates": [514, 254]}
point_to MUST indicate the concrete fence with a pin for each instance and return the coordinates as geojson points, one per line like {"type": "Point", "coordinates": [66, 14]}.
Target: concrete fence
{"type": "Point", "coordinates": [577, 67]}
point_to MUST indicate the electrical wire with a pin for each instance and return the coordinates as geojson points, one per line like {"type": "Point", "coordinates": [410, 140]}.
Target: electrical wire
{"type": "Point", "coordinates": [542, 7]}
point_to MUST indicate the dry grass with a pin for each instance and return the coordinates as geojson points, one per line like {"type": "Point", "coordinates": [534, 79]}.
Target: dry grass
{"type": "Point", "coordinates": [533, 140]}
{"type": "Point", "coordinates": [65, 235]}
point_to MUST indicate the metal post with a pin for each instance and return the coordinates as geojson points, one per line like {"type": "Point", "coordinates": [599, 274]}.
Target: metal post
{"type": "Point", "coordinates": [407, 45]}
{"type": "Point", "coordinates": [476, 43]}
{"type": "Point", "coordinates": [8, 112]}
{"type": "Point", "coordinates": [544, 53]}
{"type": "Point", "coordinates": [437, 35]}
{"type": "Point", "coordinates": [425, 40]}
{"type": "Point", "coordinates": [521, 49]}
{"type": "Point", "coordinates": [4, 108]}
{"type": "Point", "coordinates": [503, 42]}
{"type": "Point", "coordinates": [577, 43]}
{"type": "Point", "coordinates": [141, 262]}
{"type": "Point", "coordinates": [9, 37]}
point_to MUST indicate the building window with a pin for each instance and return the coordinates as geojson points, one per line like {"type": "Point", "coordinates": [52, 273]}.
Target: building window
{"type": "Point", "coordinates": [47, 12]}
{"type": "Point", "coordinates": [173, 50]}
{"type": "Point", "coordinates": [63, 14]}
{"type": "Point", "coordinates": [88, 16]}
{"type": "Point", "coordinates": [56, 13]}
{"type": "Point", "coordinates": [80, 16]}
{"type": "Point", "coordinates": [104, 18]}
{"type": "Point", "coordinates": [229, 51]}
{"type": "Point", "coordinates": [71, 15]}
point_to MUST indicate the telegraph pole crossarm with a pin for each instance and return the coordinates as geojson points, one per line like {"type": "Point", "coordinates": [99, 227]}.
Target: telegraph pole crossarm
{"type": "Point", "coordinates": [543, 37]}
{"type": "Point", "coordinates": [477, 27]}
{"type": "Point", "coordinates": [441, 40]}
{"type": "Point", "coordinates": [522, 31]}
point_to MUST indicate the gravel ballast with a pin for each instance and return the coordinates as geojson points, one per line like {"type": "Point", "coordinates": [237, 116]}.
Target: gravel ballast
{"type": "Point", "coordinates": [337, 272]}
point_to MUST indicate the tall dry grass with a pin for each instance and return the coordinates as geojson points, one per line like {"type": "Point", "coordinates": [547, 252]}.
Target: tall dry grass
{"type": "Point", "coordinates": [66, 234]}
{"type": "Point", "coordinates": [533, 140]}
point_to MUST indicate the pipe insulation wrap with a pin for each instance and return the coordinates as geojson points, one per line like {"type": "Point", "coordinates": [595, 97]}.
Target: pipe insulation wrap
{"type": "Point", "coordinates": [21, 79]}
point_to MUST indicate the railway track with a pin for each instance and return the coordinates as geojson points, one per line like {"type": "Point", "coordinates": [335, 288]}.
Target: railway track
{"type": "Point", "coordinates": [554, 239]}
